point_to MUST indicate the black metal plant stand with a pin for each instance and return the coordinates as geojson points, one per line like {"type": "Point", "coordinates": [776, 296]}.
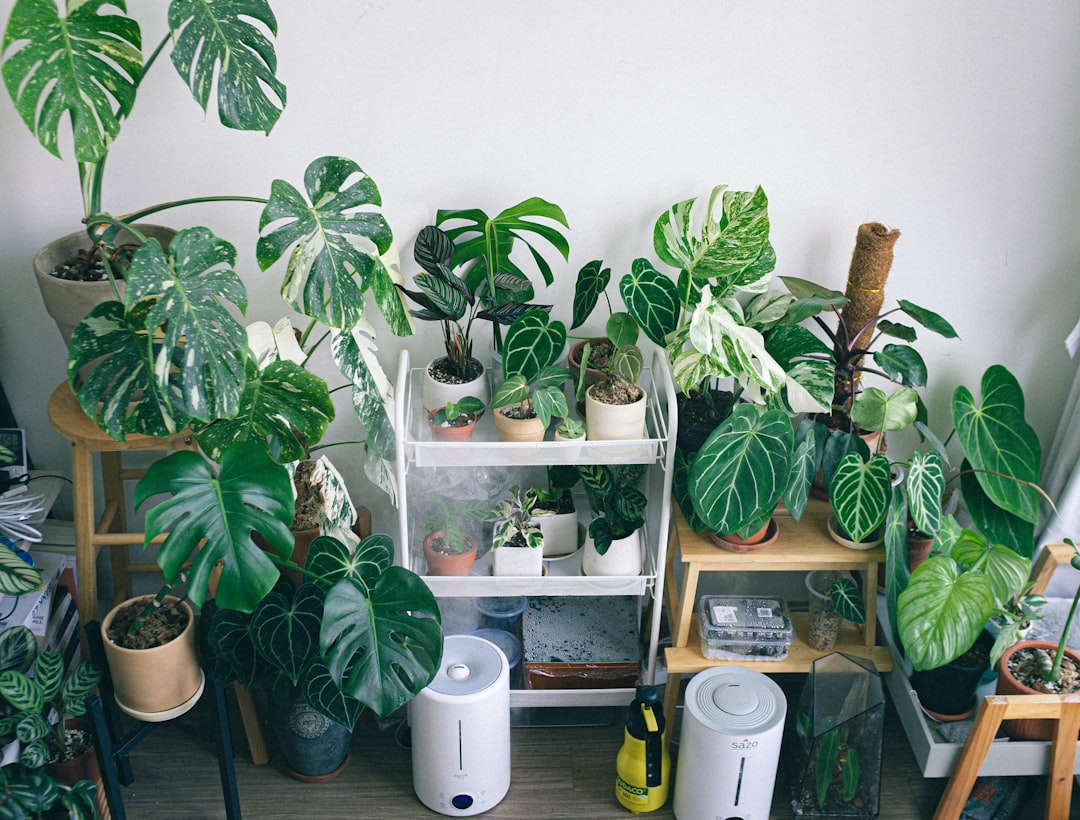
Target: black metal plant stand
{"type": "Point", "coordinates": [114, 745]}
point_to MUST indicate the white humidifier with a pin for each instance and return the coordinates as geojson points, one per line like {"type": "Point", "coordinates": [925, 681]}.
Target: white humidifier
{"type": "Point", "coordinates": [729, 745]}
{"type": "Point", "coordinates": [461, 730]}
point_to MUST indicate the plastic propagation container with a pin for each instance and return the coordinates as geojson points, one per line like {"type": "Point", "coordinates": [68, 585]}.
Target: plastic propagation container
{"type": "Point", "coordinates": [744, 628]}
{"type": "Point", "coordinates": [502, 612]}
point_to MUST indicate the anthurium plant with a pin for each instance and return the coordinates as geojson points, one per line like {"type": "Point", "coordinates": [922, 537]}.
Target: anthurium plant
{"type": "Point", "coordinates": [531, 379]}
{"type": "Point", "coordinates": [359, 633]}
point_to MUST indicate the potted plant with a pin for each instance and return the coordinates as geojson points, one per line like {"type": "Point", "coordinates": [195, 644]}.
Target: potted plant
{"type": "Point", "coordinates": [613, 539]}
{"type": "Point", "coordinates": [615, 405]}
{"type": "Point", "coordinates": [1041, 667]}
{"type": "Point", "coordinates": [478, 238]}
{"type": "Point", "coordinates": [448, 549]}
{"type": "Point", "coordinates": [555, 513]}
{"type": "Point", "coordinates": [833, 597]}
{"type": "Point", "coordinates": [456, 420]}
{"type": "Point", "coordinates": [591, 284]}
{"type": "Point", "coordinates": [531, 392]}
{"type": "Point", "coordinates": [303, 644]}
{"type": "Point", "coordinates": [456, 301]}
{"type": "Point", "coordinates": [570, 430]}
{"type": "Point", "coordinates": [57, 762]}
{"type": "Point", "coordinates": [517, 541]}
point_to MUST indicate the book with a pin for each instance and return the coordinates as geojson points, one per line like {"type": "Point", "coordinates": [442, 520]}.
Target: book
{"type": "Point", "coordinates": [34, 608]}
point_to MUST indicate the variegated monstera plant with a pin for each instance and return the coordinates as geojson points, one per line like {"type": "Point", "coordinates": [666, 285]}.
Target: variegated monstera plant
{"type": "Point", "coordinates": [167, 352]}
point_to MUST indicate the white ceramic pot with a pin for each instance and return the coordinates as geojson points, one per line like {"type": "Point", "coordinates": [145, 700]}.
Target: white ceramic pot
{"type": "Point", "coordinates": [560, 532]}
{"type": "Point", "coordinates": [435, 394]}
{"type": "Point", "coordinates": [623, 557]}
{"type": "Point", "coordinates": [517, 561]}
{"type": "Point", "coordinates": [614, 422]}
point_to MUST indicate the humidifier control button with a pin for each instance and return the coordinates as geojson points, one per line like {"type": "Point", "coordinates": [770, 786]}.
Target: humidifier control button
{"type": "Point", "coordinates": [736, 700]}
{"type": "Point", "coordinates": [458, 671]}
{"type": "Point", "coordinates": [461, 802]}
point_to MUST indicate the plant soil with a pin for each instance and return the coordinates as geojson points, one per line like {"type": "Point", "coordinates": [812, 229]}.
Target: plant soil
{"type": "Point", "coordinates": [87, 266]}
{"type": "Point", "coordinates": [164, 625]}
{"type": "Point", "coordinates": [442, 370]}
{"type": "Point", "coordinates": [564, 505]}
{"type": "Point", "coordinates": [617, 391]}
{"type": "Point", "coordinates": [518, 412]}
{"type": "Point", "coordinates": [600, 353]}
{"type": "Point", "coordinates": [1024, 666]}
{"type": "Point", "coordinates": [438, 544]}
{"type": "Point", "coordinates": [76, 742]}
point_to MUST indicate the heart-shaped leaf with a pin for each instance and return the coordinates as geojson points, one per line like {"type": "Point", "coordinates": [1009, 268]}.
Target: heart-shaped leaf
{"type": "Point", "coordinates": [286, 632]}
{"type": "Point", "coordinates": [860, 491]}
{"type": "Point", "coordinates": [652, 299]}
{"type": "Point", "coordinates": [925, 486]}
{"type": "Point", "coordinates": [592, 279]}
{"type": "Point", "coordinates": [533, 342]}
{"type": "Point", "coordinates": [322, 693]}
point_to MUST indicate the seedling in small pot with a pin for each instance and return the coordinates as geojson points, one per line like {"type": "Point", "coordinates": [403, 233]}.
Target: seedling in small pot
{"type": "Point", "coordinates": [458, 413]}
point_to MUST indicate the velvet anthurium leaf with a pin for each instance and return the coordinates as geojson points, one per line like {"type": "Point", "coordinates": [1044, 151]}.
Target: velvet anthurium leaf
{"type": "Point", "coordinates": [216, 43]}
{"type": "Point", "coordinates": [1001, 446]}
{"type": "Point", "coordinates": [22, 692]}
{"type": "Point", "coordinates": [925, 484]}
{"type": "Point", "coordinates": [250, 493]}
{"type": "Point", "coordinates": [860, 492]}
{"type": "Point", "coordinates": [283, 404]}
{"type": "Point", "coordinates": [16, 576]}
{"type": "Point", "coordinates": [847, 600]}
{"type": "Point", "coordinates": [942, 612]}
{"type": "Point", "coordinates": [188, 289]}
{"type": "Point", "coordinates": [18, 648]}
{"type": "Point", "coordinates": [286, 631]}
{"type": "Point", "coordinates": [230, 640]}
{"type": "Point", "coordinates": [331, 232]}
{"type": "Point", "coordinates": [85, 64]}
{"type": "Point", "coordinates": [533, 343]}
{"type": "Point", "coordinates": [652, 299]}
{"type": "Point", "coordinates": [122, 394]}
{"type": "Point", "coordinates": [592, 279]}
{"type": "Point", "coordinates": [382, 642]}
{"type": "Point", "coordinates": [804, 463]}
{"type": "Point", "coordinates": [325, 696]}
{"type": "Point", "coordinates": [896, 556]}
{"type": "Point", "coordinates": [742, 468]}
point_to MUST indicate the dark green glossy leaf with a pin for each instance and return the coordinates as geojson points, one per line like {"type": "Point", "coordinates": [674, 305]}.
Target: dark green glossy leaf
{"type": "Point", "coordinates": [652, 299]}
{"type": "Point", "coordinates": [896, 556]}
{"type": "Point", "coordinates": [592, 279]}
{"type": "Point", "coordinates": [827, 757]}
{"type": "Point", "coordinates": [903, 364]}
{"type": "Point", "coordinates": [286, 631]}
{"type": "Point", "coordinates": [847, 600]}
{"type": "Point", "coordinates": [928, 319]}
{"type": "Point", "coordinates": [323, 694]}
{"type": "Point", "coordinates": [533, 343]}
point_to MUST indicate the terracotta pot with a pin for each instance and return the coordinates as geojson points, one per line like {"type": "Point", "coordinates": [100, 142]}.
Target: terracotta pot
{"type": "Point", "coordinates": [918, 548]}
{"type": "Point", "coordinates": [435, 394]}
{"type": "Point", "coordinates": [444, 563]}
{"type": "Point", "coordinates": [573, 361]}
{"type": "Point", "coordinates": [68, 302]}
{"type": "Point", "coordinates": [1007, 684]}
{"type": "Point", "coordinates": [732, 542]}
{"type": "Point", "coordinates": [614, 422]}
{"type": "Point", "coordinates": [518, 429]}
{"type": "Point", "coordinates": [463, 432]}
{"type": "Point", "coordinates": [159, 683]}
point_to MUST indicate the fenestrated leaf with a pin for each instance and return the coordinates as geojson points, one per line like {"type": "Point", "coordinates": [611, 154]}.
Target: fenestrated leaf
{"type": "Point", "coordinates": [286, 632]}
{"type": "Point", "coordinates": [250, 493]}
{"type": "Point", "coordinates": [284, 407]}
{"type": "Point", "coordinates": [217, 43]}
{"type": "Point", "coordinates": [1000, 444]}
{"type": "Point", "coordinates": [591, 281]}
{"type": "Point", "coordinates": [86, 64]}
{"type": "Point", "coordinates": [16, 576]}
{"type": "Point", "coordinates": [188, 290]}
{"type": "Point", "coordinates": [652, 299]}
{"type": "Point", "coordinates": [383, 643]}
{"type": "Point", "coordinates": [942, 612]}
{"type": "Point", "coordinates": [860, 491]}
{"type": "Point", "coordinates": [337, 234]}
{"type": "Point", "coordinates": [741, 470]}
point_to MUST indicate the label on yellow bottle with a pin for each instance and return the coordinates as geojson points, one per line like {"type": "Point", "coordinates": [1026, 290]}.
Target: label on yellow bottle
{"type": "Point", "coordinates": [629, 794]}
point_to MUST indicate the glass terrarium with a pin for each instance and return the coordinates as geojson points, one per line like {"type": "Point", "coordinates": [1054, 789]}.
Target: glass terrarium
{"type": "Point", "coordinates": [841, 716]}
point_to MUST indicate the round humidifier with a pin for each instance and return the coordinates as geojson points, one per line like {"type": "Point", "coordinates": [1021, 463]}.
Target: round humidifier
{"type": "Point", "coordinates": [461, 730]}
{"type": "Point", "coordinates": [729, 746]}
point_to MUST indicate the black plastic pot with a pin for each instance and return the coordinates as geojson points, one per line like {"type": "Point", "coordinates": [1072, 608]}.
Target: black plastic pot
{"type": "Point", "coordinates": [949, 690]}
{"type": "Point", "coordinates": [315, 748]}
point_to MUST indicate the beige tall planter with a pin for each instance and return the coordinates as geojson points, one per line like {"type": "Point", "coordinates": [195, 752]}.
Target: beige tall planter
{"type": "Point", "coordinates": [68, 302]}
{"type": "Point", "coordinates": [159, 683]}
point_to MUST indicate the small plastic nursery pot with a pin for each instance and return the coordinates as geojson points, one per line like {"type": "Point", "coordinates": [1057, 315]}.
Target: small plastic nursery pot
{"type": "Point", "coordinates": [948, 692]}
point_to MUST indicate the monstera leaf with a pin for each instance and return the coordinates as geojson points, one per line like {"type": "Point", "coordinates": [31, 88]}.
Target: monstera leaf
{"type": "Point", "coordinates": [732, 250]}
{"type": "Point", "coordinates": [88, 64]}
{"type": "Point", "coordinates": [331, 232]}
{"type": "Point", "coordinates": [741, 470]}
{"type": "Point", "coordinates": [381, 637]}
{"type": "Point", "coordinates": [211, 517]}
{"type": "Point", "coordinates": [1002, 447]}
{"type": "Point", "coordinates": [652, 299]}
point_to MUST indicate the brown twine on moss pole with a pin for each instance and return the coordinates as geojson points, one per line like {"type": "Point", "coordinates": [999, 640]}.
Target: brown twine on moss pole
{"type": "Point", "coordinates": [870, 264]}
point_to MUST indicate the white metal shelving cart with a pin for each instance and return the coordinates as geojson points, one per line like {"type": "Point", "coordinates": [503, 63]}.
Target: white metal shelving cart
{"type": "Point", "coordinates": [418, 453]}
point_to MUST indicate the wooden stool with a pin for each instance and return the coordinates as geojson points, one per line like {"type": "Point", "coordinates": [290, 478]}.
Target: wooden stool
{"type": "Point", "coordinates": [1065, 709]}
{"type": "Point", "coordinates": [111, 529]}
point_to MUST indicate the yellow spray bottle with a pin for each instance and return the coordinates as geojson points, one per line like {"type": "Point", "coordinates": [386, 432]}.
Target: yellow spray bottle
{"type": "Point", "coordinates": [643, 767]}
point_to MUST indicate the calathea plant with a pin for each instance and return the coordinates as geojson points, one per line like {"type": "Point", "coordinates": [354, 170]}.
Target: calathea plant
{"type": "Point", "coordinates": [618, 506]}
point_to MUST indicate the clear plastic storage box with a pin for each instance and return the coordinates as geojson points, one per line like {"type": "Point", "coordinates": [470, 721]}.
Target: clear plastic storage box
{"type": "Point", "coordinates": [736, 628]}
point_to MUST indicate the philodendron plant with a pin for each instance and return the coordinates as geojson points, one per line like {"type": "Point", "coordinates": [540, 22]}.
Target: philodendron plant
{"type": "Point", "coordinates": [531, 379]}
{"type": "Point", "coordinates": [360, 632]}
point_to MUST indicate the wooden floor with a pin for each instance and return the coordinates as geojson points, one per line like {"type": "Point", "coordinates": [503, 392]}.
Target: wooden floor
{"type": "Point", "coordinates": [556, 773]}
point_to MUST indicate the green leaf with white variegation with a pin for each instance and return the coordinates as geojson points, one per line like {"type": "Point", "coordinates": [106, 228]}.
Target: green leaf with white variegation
{"type": "Point", "coordinates": [548, 403]}
{"type": "Point", "coordinates": [742, 469]}
{"type": "Point", "coordinates": [274, 343]}
{"type": "Point", "coordinates": [652, 299]}
{"type": "Point", "coordinates": [216, 45]}
{"type": "Point", "coordinates": [732, 249]}
{"type": "Point", "coordinates": [999, 442]}
{"type": "Point", "coordinates": [859, 491]}
{"type": "Point", "coordinates": [942, 612]}
{"type": "Point", "coordinates": [801, 475]}
{"type": "Point", "coordinates": [925, 485]}
{"type": "Point", "coordinates": [336, 513]}
{"type": "Point", "coordinates": [533, 342]}
{"type": "Point", "coordinates": [337, 234]}
{"type": "Point", "coordinates": [513, 390]}
{"type": "Point", "coordinates": [847, 600]}
{"type": "Point", "coordinates": [592, 279]}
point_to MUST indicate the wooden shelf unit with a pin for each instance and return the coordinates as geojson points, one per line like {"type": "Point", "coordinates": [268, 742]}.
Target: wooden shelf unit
{"type": "Point", "coordinates": [800, 546]}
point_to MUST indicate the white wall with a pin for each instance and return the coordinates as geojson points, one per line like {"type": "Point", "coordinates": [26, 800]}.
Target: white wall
{"type": "Point", "coordinates": [955, 122]}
